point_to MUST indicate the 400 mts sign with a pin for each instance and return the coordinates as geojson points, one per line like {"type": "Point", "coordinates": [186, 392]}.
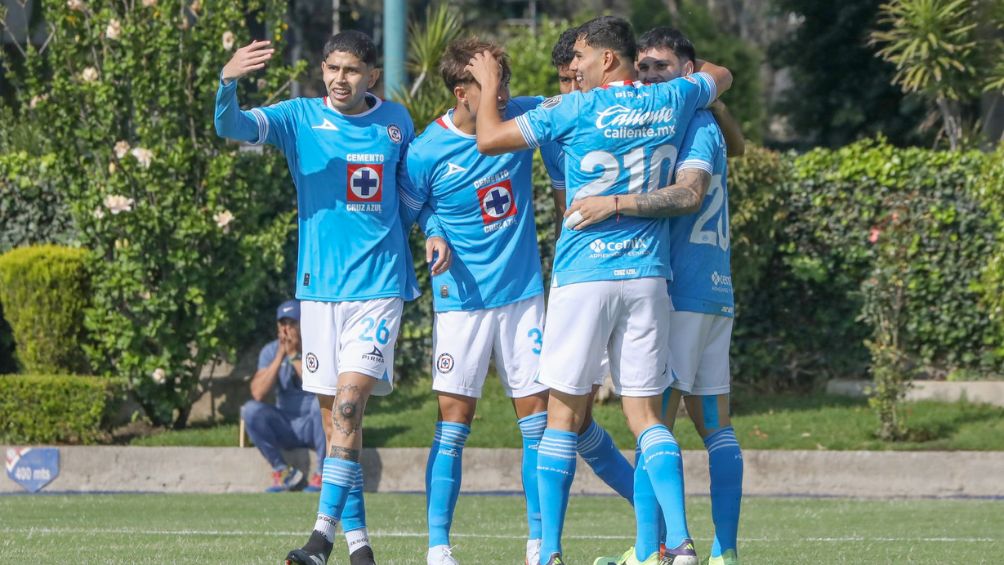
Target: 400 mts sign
{"type": "Point", "coordinates": [33, 467]}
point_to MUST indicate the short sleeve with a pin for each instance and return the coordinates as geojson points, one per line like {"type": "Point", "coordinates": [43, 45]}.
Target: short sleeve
{"type": "Point", "coordinates": [267, 354]}
{"type": "Point", "coordinates": [554, 119]}
{"type": "Point", "coordinates": [700, 143]}
{"type": "Point", "coordinates": [554, 161]}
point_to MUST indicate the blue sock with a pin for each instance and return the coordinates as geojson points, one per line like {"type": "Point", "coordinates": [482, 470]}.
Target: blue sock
{"type": "Point", "coordinates": [555, 471]}
{"type": "Point", "coordinates": [725, 461]}
{"type": "Point", "coordinates": [646, 511]}
{"type": "Point", "coordinates": [664, 465]}
{"type": "Point", "coordinates": [354, 511]}
{"type": "Point", "coordinates": [337, 480]}
{"type": "Point", "coordinates": [532, 428]}
{"type": "Point", "coordinates": [442, 479]}
{"type": "Point", "coordinates": [597, 448]}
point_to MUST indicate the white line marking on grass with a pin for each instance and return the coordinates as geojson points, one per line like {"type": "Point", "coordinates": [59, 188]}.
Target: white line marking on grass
{"type": "Point", "coordinates": [377, 534]}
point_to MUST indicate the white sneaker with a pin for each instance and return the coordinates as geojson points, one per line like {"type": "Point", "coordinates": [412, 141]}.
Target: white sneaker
{"type": "Point", "coordinates": [533, 552]}
{"type": "Point", "coordinates": [440, 555]}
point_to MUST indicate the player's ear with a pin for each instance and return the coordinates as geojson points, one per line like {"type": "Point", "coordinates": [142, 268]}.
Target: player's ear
{"type": "Point", "coordinates": [374, 77]}
{"type": "Point", "coordinates": [688, 68]}
{"type": "Point", "coordinates": [460, 92]}
{"type": "Point", "coordinates": [609, 59]}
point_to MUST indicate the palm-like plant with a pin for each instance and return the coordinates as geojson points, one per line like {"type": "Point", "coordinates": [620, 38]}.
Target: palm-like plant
{"type": "Point", "coordinates": [427, 99]}
{"type": "Point", "coordinates": [933, 45]}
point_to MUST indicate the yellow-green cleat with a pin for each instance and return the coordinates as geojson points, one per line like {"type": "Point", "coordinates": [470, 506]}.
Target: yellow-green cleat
{"type": "Point", "coordinates": [728, 557]}
{"type": "Point", "coordinates": [628, 558]}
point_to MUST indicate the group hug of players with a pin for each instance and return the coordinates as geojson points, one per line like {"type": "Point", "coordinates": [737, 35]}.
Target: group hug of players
{"type": "Point", "coordinates": [640, 290]}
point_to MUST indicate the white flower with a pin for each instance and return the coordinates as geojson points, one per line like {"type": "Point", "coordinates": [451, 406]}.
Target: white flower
{"type": "Point", "coordinates": [223, 220]}
{"type": "Point", "coordinates": [90, 74]}
{"type": "Point", "coordinates": [261, 84]}
{"type": "Point", "coordinates": [159, 375]}
{"type": "Point", "coordinates": [143, 156]}
{"type": "Point", "coordinates": [114, 30]}
{"type": "Point", "coordinates": [149, 3]}
{"type": "Point", "coordinates": [112, 168]}
{"type": "Point", "coordinates": [77, 5]}
{"type": "Point", "coordinates": [37, 99]}
{"type": "Point", "coordinates": [117, 203]}
{"type": "Point", "coordinates": [98, 213]}
{"type": "Point", "coordinates": [122, 149]}
{"type": "Point", "coordinates": [121, 243]}
{"type": "Point", "coordinates": [228, 40]}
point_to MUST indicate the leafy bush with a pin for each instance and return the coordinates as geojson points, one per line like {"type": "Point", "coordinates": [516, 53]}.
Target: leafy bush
{"type": "Point", "coordinates": [186, 231]}
{"type": "Point", "coordinates": [989, 189]}
{"type": "Point", "coordinates": [32, 210]}
{"type": "Point", "coordinates": [44, 293]}
{"type": "Point", "coordinates": [54, 409]}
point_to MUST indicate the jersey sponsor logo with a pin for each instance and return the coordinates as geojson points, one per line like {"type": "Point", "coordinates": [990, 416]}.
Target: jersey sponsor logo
{"type": "Point", "coordinates": [311, 363]}
{"type": "Point", "coordinates": [394, 133]}
{"type": "Point", "coordinates": [623, 122]}
{"type": "Point", "coordinates": [444, 363]}
{"type": "Point", "coordinates": [721, 280]}
{"type": "Point", "coordinates": [631, 247]}
{"type": "Point", "coordinates": [452, 168]}
{"type": "Point", "coordinates": [326, 125]}
{"type": "Point", "coordinates": [364, 187]}
{"type": "Point", "coordinates": [550, 102]}
{"type": "Point", "coordinates": [375, 356]}
{"type": "Point", "coordinates": [497, 203]}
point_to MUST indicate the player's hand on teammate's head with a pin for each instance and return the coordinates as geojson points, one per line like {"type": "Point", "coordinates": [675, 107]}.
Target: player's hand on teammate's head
{"type": "Point", "coordinates": [589, 211]}
{"type": "Point", "coordinates": [485, 68]}
{"type": "Point", "coordinates": [438, 255]}
{"type": "Point", "coordinates": [247, 59]}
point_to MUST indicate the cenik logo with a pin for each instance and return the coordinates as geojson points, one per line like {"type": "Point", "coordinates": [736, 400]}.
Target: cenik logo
{"type": "Point", "coordinates": [633, 246]}
{"type": "Point", "coordinates": [721, 280]}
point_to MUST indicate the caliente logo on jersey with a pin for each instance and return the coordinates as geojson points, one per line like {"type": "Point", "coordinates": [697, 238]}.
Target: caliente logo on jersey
{"type": "Point", "coordinates": [497, 202]}
{"type": "Point", "coordinates": [364, 185]}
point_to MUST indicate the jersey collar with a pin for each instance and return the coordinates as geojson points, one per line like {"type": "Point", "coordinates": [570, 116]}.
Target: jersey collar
{"type": "Point", "coordinates": [376, 104]}
{"type": "Point", "coordinates": [448, 122]}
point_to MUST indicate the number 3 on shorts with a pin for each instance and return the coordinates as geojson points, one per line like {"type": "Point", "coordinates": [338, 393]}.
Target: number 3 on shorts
{"type": "Point", "coordinates": [382, 333]}
{"type": "Point", "coordinates": [538, 338]}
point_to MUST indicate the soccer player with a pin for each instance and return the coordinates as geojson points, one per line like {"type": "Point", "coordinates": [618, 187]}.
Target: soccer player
{"type": "Point", "coordinates": [701, 289]}
{"type": "Point", "coordinates": [594, 445]}
{"type": "Point", "coordinates": [609, 287]}
{"type": "Point", "coordinates": [344, 152]}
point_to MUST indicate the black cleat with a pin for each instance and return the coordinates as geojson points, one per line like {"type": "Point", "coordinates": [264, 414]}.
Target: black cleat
{"type": "Point", "coordinates": [362, 556]}
{"type": "Point", "coordinates": [315, 552]}
{"type": "Point", "coordinates": [555, 559]}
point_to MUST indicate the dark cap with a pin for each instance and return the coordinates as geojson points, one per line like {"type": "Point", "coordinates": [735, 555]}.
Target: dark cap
{"type": "Point", "coordinates": [288, 309]}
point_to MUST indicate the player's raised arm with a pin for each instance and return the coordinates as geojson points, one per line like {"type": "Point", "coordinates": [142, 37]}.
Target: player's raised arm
{"type": "Point", "coordinates": [735, 143]}
{"type": "Point", "coordinates": [494, 136]}
{"type": "Point", "coordinates": [721, 75]}
{"type": "Point", "coordinates": [230, 121]}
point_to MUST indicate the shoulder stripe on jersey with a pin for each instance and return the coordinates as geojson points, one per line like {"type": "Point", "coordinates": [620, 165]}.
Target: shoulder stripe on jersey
{"type": "Point", "coordinates": [711, 86]}
{"type": "Point", "coordinates": [526, 131]}
{"type": "Point", "coordinates": [409, 200]}
{"type": "Point", "coordinates": [695, 164]}
{"type": "Point", "coordinates": [262, 120]}
{"type": "Point", "coordinates": [558, 184]}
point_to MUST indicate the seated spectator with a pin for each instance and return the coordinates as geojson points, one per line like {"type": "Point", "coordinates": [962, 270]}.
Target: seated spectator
{"type": "Point", "coordinates": [295, 419]}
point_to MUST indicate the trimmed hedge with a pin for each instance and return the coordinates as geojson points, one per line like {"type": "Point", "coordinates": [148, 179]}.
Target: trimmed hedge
{"type": "Point", "coordinates": [53, 409]}
{"type": "Point", "coordinates": [43, 290]}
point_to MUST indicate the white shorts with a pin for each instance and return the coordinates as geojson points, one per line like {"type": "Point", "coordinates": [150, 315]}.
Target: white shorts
{"type": "Point", "coordinates": [342, 337]}
{"type": "Point", "coordinates": [628, 318]}
{"type": "Point", "coordinates": [463, 341]}
{"type": "Point", "coordinates": [700, 346]}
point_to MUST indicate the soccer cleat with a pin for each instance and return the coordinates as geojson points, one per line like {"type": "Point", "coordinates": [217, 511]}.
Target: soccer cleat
{"type": "Point", "coordinates": [362, 556]}
{"type": "Point", "coordinates": [315, 552]}
{"type": "Point", "coordinates": [683, 554]}
{"type": "Point", "coordinates": [314, 485]}
{"type": "Point", "coordinates": [286, 480]}
{"type": "Point", "coordinates": [555, 559]}
{"type": "Point", "coordinates": [440, 555]}
{"type": "Point", "coordinates": [533, 552]}
{"type": "Point", "coordinates": [728, 557]}
{"type": "Point", "coordinates": [628, 558]}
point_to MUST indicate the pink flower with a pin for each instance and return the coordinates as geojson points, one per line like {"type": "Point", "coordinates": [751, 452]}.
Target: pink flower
{"type": "Point", "coordinates": [873, 235]}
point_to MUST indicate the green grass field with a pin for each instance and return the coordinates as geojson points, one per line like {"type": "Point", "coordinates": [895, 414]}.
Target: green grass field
{"type": "Point", "coordinates": [762, 422]}
{"type": "Point", "coordinates": [260, 528]}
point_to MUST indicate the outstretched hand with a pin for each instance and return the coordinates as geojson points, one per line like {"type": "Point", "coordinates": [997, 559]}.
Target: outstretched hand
{"type": "Point", "coordinates": [438, 255]}
{"type": "Point", "coordinates": [485, 69]}
{"type": "Point", "coordinates": [251, 57]}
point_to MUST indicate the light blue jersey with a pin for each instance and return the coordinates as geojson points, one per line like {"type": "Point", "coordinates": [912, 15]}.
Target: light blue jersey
{"type": "Point", "coordinates": [702, 271]}
{"type": "Point", "coordinates": [622, 138]}
{"type": "Point", "coordinates": [346, 170]}
{"type": "Point", "coordinates": [483, 206]}
{"type": "Point", "coordinates": [553, 157]}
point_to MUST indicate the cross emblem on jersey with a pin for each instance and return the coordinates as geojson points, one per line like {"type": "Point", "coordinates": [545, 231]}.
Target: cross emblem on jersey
{"type": "Point", "coordinates": [497, 202]}
{"type": "Point", "coordinates": [364, 183]}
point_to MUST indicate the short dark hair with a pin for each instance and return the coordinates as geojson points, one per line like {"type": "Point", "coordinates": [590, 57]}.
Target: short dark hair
{"type": "Point", "coordinates": [458, 54]}
{"type": "Point", "coordinates": [668, 38]}
{"type": "Point", "coordinates": [610, 32]}
{"type": "Point", "coordinates": [564, 49]}
{"type": "Point", "coordinates": [355, 42]}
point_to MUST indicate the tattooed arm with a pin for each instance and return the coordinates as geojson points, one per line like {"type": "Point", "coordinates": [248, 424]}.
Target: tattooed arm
{"type": "Point", "coordinates": [678, 199]}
